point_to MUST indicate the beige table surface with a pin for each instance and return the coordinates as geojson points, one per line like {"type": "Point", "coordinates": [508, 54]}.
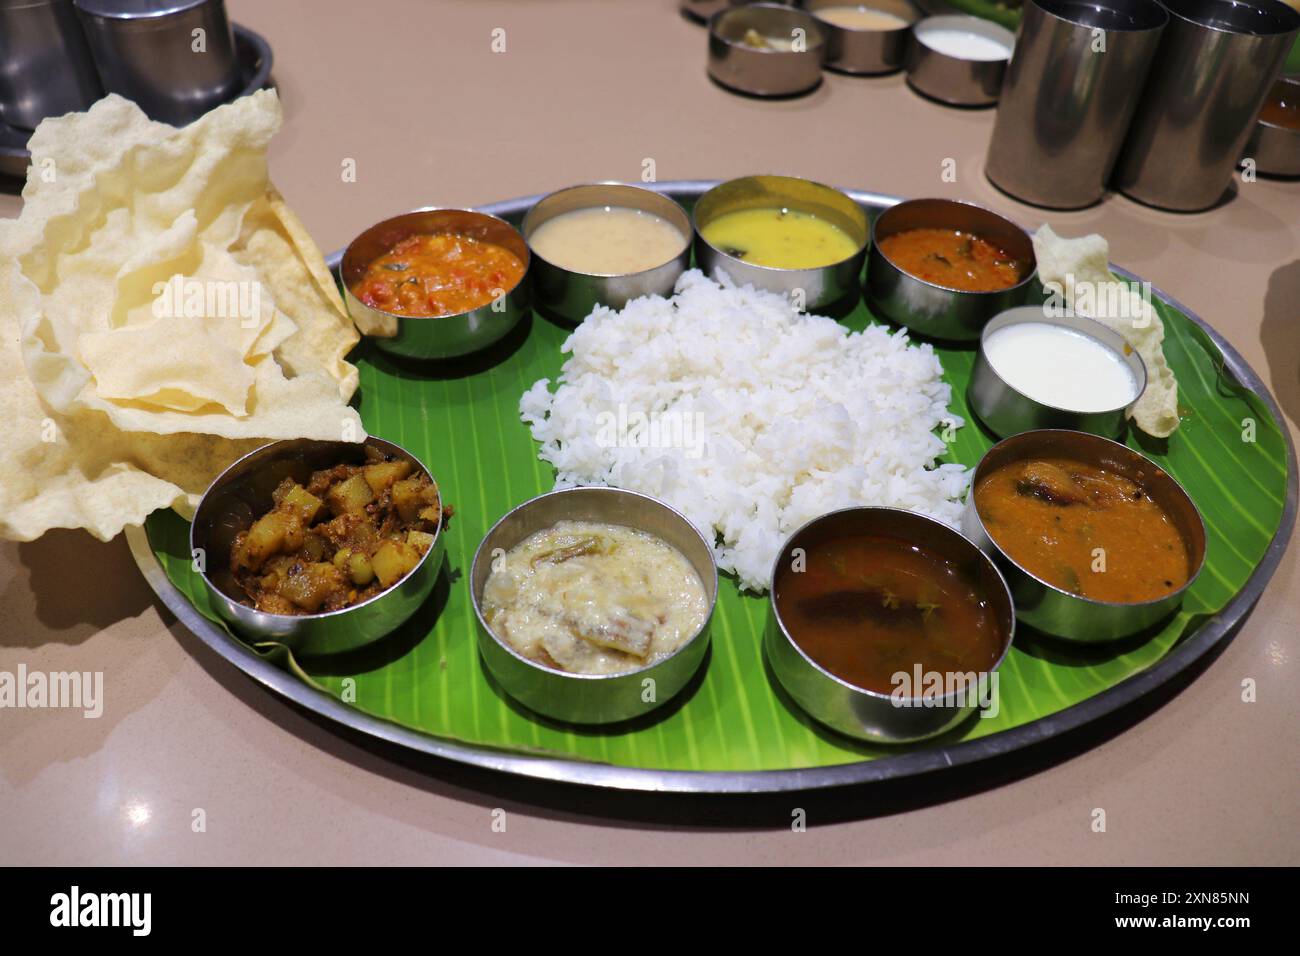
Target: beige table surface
{"type": "Point", "coordinates": [588, 90]}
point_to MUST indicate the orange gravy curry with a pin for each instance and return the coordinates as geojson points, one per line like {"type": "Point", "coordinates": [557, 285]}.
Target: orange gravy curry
{"type": "Point", "coordinates": [1084, 529]}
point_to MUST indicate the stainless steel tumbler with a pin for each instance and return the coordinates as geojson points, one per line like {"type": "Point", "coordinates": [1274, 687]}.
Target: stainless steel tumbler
{"type": "Point", "coordinates": [175, 58]}
{"type": "Point", "coordinates": [45, 65]}
{"type": "Point", "coordinates": [1068, 97]}
{"type": "Point", "coordinates": [1215, 64]}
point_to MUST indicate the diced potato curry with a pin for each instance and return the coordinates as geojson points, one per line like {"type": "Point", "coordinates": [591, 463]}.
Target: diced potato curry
{"type": "Point", "coordinates": [349, 533]}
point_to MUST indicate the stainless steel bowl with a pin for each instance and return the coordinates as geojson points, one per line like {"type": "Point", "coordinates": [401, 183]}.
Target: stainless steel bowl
{"type": "Point", "coordinates": [867, 51]}
{"type": "Point", "coordinates": [1008, 411]}
{"type": "Point", "coordinates": [953, 79]}
{"type": "Point", "coordinates": [572, 294]}
{"type": "Point", "coordinates": [592, 698]}
{"type": "Point", "coordinates": [442, 336]}
{"type": "Point", "coordinates": [1061, 613]}
{"type": "Point", "coordinates": [241, 493]}
{"type": "Point", "coordinates": [1274, 148]}
{"type": "Point", "coordinates": [766, 72]}
{"type": "Point", "coordinates": [847, 708]}
{"type": "Point", "coordinates": [817, 287]}
{"type": "Point", "coordinates": [935, 310]}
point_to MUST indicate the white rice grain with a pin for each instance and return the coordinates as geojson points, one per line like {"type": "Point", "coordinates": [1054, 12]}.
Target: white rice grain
{"type": "Point", "coordinates": [747, 416]}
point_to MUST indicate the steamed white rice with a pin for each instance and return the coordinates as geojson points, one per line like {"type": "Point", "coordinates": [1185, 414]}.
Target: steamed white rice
{"type": "Point", "coordinates": [747, 416]}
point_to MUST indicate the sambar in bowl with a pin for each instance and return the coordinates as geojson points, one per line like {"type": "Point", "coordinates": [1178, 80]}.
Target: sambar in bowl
{"type": "Point", "coordinates": [1097, 541]}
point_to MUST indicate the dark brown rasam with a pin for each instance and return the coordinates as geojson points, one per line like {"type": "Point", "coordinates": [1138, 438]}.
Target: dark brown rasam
{"type": "Point", "coordinates": [867, 607]}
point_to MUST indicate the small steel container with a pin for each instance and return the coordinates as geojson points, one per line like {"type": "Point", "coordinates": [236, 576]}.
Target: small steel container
{"type": "Point", "coordinates": [242, 493]}
{"type": "Point", "coordinates": [45, 65]}
{"type": "Point", "coordinates": [935, 310]}
{"type": "Point", "coordinates": [572, 295]}
{"type": "Point", "coordinates": [817, 287]}
{"type": "Point", "coordinates": [867, 51]}
{"type": "Point", "coordinates": [1054, 610]}
{"type": "Point", "coordinates": [1008, 411]}
{"type": "Point", "coordinates": [1274, 148]}
{"type": "Point", "coordinates": [847, 708]}
{"type": "Point", "coordinates": [592, 698]}
{"type": "Point", "coordinates": [956, 80]}
{"type": "Point", "coordinates": [764, 71]}
{"type": "Point", "coordinates": [440, 336]}
{"type": "Point", "coordinates": [175, 58]}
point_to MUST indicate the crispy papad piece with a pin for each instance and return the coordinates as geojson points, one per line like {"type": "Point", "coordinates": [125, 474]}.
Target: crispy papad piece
{"type": "Point", "coordinates": [1079, 270]}
{"type": "Point", "coordinates": [163, 312]}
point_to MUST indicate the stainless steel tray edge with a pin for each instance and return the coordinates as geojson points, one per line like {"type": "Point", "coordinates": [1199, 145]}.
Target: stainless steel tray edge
{"type": "Point", "coordinates": [904, 764]}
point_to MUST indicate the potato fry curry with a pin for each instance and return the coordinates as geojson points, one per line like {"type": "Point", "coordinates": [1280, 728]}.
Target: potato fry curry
{"type": "Point", "coordinates": [349, 533]}
{"type": "Point", "coordinates": [1084, 529]}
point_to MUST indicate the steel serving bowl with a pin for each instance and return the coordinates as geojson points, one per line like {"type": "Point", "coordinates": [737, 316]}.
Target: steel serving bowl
{"type": "Point", "coordinates": [592, 698]}
{"type": "Point", "coordinates": [935, 310]}
{"type": "Point", "coordinates": [572, 294]}
{"type": "Point", "coordinates": [1275, 148]}
{"type": "Point", "coordinates": [956, 80]}
{"type": "Point", "coordinates": [764, 71]}
{"type": "Point", "coordinates": [242, 493]}
{"type": "Point", "coordinates": [855, 711]}
{"type": "Point", "coordinates": [441, 336]}
{"type": "Point", "coordinates": [818, 286]}
{"type": "Point", "coordinates": [1008, 411]}
{"type": "Point", "coordinates": [1062, 613]}
{"type": "Point", "coordinates": [862, 51]}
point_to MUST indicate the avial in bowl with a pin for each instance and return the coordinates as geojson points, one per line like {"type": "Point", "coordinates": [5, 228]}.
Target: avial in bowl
{"type": "Point", "coordinates": [593, 603]}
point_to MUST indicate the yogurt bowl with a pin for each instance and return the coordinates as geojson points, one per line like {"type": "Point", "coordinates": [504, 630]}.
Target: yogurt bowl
{"type": "Point", "coordinates": [1041, 370]}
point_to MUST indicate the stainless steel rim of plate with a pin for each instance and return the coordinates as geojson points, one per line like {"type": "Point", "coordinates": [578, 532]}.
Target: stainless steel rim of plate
{"type": "Point", "coordinates": [564, 770]}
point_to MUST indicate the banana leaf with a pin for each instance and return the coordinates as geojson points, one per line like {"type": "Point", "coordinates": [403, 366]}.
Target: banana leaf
{"type": "Point", "coordinates": [462, 421]}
